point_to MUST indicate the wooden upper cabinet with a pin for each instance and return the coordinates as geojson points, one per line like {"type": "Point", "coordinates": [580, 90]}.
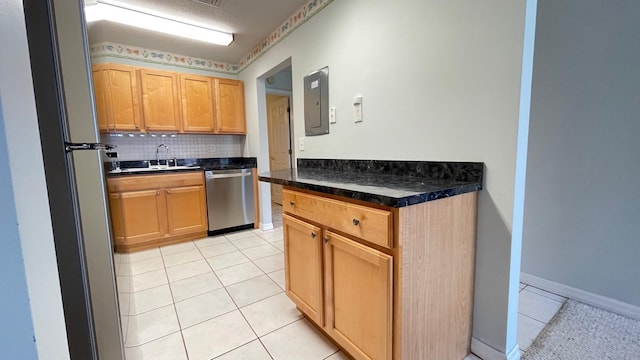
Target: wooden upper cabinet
{"type": "Point", "coordinates": [229, 106]}
{"type": "Point", "coordinates": [197, 103]}
{"type": "Point", "coordinates": [100, 93]}
{"type": "Point", "coordinates": [160, 100]}
{"type": "Point", "coordinates": [116, 96]}
{"type": "Point", "coordinates": [358, 296]}
{"type": "Point", "coordinates": [303, 267]}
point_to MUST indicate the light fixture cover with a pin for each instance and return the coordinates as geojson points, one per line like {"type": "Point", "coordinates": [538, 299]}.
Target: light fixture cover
{"type": "Point", "coordinates": [122, 15]}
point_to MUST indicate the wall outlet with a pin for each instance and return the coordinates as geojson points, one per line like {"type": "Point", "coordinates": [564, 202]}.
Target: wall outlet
{"type": "Point", "coordinates": [332, 115]}
{"type": "Point", "coordinates": [301, 144]}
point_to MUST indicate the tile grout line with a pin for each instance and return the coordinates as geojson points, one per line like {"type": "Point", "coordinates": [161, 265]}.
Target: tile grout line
{"type": "Point", "coordinates": [175, 309]}
{"type": "Point", "coordinates": [237, 307]}
{"type": "Point", "coordinates": [545, 296]}
{"type": "Point", "coordinates": [161, 256]}
{"type": "Point", "coordinates": [532, 318]}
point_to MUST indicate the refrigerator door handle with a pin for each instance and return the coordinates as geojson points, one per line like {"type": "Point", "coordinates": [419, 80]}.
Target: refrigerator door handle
{"type": "Point", "coordinates": [69, 147]}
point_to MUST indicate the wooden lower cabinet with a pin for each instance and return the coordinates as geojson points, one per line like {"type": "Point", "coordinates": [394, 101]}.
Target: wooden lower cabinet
{"type": "Point", "coordinates": [303, 266]}
{"type": "Point", "coordinates": [142, 213]}
{"type": "Point", "coordinates": [152, 210]}
{"type": "Point", "coordinates": [186, 209]}
{"type": "Point", "coordinates": [359, 292]}
{"type": "Point", "coordinates": [412, 300]}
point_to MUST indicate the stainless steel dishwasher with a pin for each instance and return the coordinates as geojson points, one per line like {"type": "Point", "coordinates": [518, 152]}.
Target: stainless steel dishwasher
{"type": "Point", "coordinates": [230, 203]}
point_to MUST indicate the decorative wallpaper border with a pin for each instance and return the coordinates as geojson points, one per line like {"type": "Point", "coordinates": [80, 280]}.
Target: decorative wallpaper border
{"type": "Point", "coordinates": [111, 49]}
{"type": "Point", "coordinates": [296, 19]}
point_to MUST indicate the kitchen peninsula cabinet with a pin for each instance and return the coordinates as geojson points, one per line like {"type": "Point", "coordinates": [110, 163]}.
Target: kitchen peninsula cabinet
{"type": "Point", "coordinates": [153, 210]}
{"type": "Point", "coordinates": [160, 100]}
{"type": "Point", "coordinates": [116, 97]}
{"type": "Point", "coordinates": [197, 103]}
{"type": "Point", "coordinates": [380, 262]}
{"type": "Point", "coordinates": [230, 118]}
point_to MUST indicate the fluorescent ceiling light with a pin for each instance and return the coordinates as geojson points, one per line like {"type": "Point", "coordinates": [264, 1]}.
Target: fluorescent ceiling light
{"type": "Point", "coordinates": [114, 13]}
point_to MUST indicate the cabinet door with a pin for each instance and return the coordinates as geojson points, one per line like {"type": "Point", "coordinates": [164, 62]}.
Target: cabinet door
{"type": "Point", "coordinates": [197, 103]}
{"type": "Point", "coordinates": [123, 97]}
{"type": "Point", "coordinates": [145, 215]}
{"type": "Point", "coordinates": [101, 95]}
{"type": "Point", "coordinates": [186, 209]}
{"type": "Point", "coordinates": [160, 100]}
{"type": "Point", "coordinates": [230, 106]}
{"type": "Point", "coordinates": [358, 296]}
{"type": "Point", "coordinates": [303, 266]}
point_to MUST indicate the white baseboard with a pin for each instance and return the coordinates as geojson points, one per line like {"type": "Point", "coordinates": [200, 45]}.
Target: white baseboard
{"type": "Point", "coordinates": [486, 352]}
{"type": "Point", "coordinates": [266, 227]}
{"type": "Point", "coordinates": [586, 297]}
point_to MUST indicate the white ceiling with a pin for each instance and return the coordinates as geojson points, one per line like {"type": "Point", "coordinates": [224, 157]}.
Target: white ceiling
{"type": "Point", "coordinates": [250, 21]}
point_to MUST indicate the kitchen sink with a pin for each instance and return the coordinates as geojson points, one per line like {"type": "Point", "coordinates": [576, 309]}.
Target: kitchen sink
{"type": "Point", "coordinates": [153, 168]}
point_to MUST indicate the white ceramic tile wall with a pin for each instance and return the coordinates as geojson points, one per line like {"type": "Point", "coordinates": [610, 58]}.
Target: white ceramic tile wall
{"type": "Point", "coordinates": [181, 146]}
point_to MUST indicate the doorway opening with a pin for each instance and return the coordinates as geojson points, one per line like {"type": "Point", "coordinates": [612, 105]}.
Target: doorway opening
{"type": "Point", "coordinates": [279, 129]}
{"type": "Point", "coordinates": [276, 131]}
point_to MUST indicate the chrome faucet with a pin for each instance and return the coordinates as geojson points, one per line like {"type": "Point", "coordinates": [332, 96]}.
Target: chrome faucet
{"type": "Point", "coordinates": [158, 152]}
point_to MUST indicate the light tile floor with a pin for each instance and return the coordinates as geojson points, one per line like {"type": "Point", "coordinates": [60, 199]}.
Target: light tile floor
{"type": "Point", "coordinates": [215, 298]}
{"type": "Point", "coordinates": [222, 298]}
{"type": "Point", "coordinates": [535, 308]}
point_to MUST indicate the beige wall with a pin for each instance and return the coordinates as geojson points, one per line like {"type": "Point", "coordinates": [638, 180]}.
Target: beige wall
{"type": "Point", "coordinates": [439, 81]}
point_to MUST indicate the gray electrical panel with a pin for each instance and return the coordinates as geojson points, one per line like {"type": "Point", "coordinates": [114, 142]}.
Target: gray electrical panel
{"type": "Point", "coordinates": [316, 102]}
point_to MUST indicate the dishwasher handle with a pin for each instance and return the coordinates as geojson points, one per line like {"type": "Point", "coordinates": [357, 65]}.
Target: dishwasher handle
{"type": "Point", "coordinates": [213, 175]}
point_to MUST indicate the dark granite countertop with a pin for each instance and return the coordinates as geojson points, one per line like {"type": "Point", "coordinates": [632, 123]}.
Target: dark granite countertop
{"type": "Point", "coordinates": [141, 167]}
{"type": "Point", "coordinates": [390, 183]}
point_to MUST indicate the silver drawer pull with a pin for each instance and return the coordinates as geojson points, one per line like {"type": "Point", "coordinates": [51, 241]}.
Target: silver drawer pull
{"type": "Point", "coordinates": [356, 222]}
{"type": "Point", "coordinates": [291, 203]}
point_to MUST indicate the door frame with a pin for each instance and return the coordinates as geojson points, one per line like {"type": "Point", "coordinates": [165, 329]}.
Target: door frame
{"type": "Point", "coordinates": [264, 193]}
{"type": "Point", "coordinates": [60, 179]}
{"type": "Point", "coordinates": [288, 94]}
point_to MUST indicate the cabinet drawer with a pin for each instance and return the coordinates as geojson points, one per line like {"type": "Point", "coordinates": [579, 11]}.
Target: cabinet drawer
{"type": "Point", "coordinates": [145, 182]}
{"type": "Point", "coordinates": [370, 224]}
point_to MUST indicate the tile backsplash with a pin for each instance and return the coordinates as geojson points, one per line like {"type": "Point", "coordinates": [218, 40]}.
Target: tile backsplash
{"type": "Point", "coordinates": [181, 146]}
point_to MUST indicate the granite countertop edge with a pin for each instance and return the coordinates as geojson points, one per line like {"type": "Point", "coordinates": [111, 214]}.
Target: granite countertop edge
{"type": "Point", "coordinates": [395, 202]}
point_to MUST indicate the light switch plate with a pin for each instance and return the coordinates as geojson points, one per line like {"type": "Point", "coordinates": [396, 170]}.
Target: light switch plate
{"type": "Point", "coordinates": [332, 115]}
{"type": "Point", "coordinates": [301, 144]}
{"type": "Point", "coordinates": [357, 109]}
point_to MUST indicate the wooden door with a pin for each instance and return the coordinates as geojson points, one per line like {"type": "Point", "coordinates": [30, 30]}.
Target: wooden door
{"type": "Point", "coordinates": [197, 103]}
{"type": "Point", "coordinates": [186, 209]}
{"type": "Point", "coordinates": [279, 139]}
{"type": "Point", "coordinates": [145, 216]}
{"type": "Point", "coordinates": [303, 266]}
{"type": "Point", "coordinates": [123, 97]}
{"type": "Point", "coordinates": [160, 100]}
{"type": "Point", "coordinates": [101, 95]}
{"type": "Point", "coordinates": [230, 106]}
{"type": "Point", "coordinates": [358, 297]}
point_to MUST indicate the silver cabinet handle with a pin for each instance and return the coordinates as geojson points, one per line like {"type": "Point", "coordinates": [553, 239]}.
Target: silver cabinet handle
{"type": "Point", "coordinates": [292, 203]}
{"type": "Point", "coordinates": [356, 222]}
{"type": "Point", "coordinates": [313, 235]}
{"type": "Point", "coordinates": [326, 239]}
